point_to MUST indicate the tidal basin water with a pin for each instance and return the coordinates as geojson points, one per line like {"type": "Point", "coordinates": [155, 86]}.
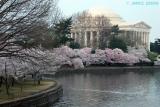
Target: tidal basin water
{"type": "Point", "coordinates": [129, 89]}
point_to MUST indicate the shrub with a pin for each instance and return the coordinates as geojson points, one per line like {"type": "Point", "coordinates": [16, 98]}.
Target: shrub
{"type": "Point", "coordinates": [74, 45]}
{"type": "Point", "coordinates": [152, 56]}
{"type": "Point", "coordinates": [93, 51]}
{"type": "Point", "coordinates": [118, 43]}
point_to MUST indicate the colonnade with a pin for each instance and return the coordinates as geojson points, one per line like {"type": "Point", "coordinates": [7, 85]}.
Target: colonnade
{"type": "Point", "coordinates": [91, 38]}
{"type": "Point", "coordinates": [136, 38]}
{"type": "Point", "coordinates": [86, 38]}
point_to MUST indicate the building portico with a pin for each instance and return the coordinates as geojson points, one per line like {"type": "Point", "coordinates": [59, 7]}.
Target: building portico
{"type": "Point", "coordinates": [87, 27]}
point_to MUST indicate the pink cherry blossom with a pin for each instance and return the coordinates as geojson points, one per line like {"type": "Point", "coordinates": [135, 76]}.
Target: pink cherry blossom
{"type": "Point", "coordinates": [77, 63]}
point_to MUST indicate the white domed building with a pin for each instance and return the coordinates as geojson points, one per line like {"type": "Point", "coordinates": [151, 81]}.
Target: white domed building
{"type": "Point", "coordinates": [88, 25]}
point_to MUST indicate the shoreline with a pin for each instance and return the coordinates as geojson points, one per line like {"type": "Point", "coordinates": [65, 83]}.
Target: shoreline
{"type": "Point", "coordinates": [109, 70]}
{"type": "Point", "coordinates": [40, 99]}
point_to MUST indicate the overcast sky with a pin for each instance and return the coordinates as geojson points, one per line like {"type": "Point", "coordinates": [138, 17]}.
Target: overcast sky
{"type": "Point", "coordinates": [129, 10]}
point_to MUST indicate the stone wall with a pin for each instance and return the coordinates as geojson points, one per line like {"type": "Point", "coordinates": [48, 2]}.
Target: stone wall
{"type": "Point", "coordinates": [40, 99]}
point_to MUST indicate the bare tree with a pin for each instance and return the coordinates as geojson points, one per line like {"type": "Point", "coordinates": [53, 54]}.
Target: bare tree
{"type": "Point", "coordinates": [20, 20]}
{"type": "Point", "coordinates": [86, 21]}
{"type": "Point", "coordinates": [104, 27]}
{"type": "Point", "coordinates": [17, 17]}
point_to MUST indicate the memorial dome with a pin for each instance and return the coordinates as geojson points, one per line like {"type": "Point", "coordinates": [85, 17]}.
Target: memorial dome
{"type": "Point", "coordinates": [98, 11]}
{"type": "Point", "coordinates": [110, 14]}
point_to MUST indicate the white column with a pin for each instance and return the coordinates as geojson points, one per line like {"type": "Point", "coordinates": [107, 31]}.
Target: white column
{"type": "Point", "coordinates": [145, 41]}
{"type": "Point", "coordinates": [136, 38]}
{"type": "Point", "coordinates": [91, 38]}
{"type": "Point", "coordinates": [80, 37]}
{"type": "Point", "coordinates": [146, 38]}
{"type": "Point", "coordinates": [141, 38]}
{"type": "Point", "coordinates": [97, 39]}
{"type": "Point", "coordinates": [148, 41]}
{"type": "Point", "coordinates": [148, 46]}
{"type": "Point", "coordinates": [71, 35]}
{"type": "Point", "coordinates": [85, 39]}
{"type": "Point", "coordinates": [75, 37]}
{"type": "Point", "coordinates": [133, 36]}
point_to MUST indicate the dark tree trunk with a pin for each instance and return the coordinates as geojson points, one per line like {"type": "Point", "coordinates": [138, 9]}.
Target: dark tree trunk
{"type": "Point", "coordinates": [39, 81]}
{"type": "Point", "coordinates": [12, 81]}
{"type": "Point", "coordinates": [6, 81]}
{"type": "Point", "coordinates": [1, 81]}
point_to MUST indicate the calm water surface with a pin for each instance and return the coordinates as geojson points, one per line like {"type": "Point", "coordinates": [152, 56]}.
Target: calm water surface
{"type": "Point", "coordinates": [110, 90]}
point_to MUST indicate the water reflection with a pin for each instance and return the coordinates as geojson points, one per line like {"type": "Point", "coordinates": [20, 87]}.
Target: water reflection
{"type": "Point", "coordinates": [115, 90]}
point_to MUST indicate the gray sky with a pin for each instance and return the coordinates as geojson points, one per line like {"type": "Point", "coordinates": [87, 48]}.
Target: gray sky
{"type": "Point", "coordinates": [130, 10]}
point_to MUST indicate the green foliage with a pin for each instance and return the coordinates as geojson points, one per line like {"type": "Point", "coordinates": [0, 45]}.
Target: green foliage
{"type": "Point", "coordinates": [93, 51]}
{"type": "Point", "coordinates": [118, 43]}
{"type": "Point", "coordinates": [155, 47]}
{"type": "Point", "coordinates": [62, 31]}
{"type": "Point", "coordinates": [152, 56]}
{"type": "Point", "coordinates": [63, 27]}
{"type": "Point", "coordinates": [107, 35]}
{"type": "Point", "coordinates": [48, 37]}
{"type": "Point", "coordinates": [74, 45]}
{"type": "Point", "coordinates": [115, 30]}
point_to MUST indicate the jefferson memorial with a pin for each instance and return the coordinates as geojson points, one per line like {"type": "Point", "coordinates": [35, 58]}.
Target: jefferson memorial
{"type": "Point", "coordinates": [88, 25]}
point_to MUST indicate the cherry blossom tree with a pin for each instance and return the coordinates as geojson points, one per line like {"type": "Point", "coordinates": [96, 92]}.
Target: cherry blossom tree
{"type": "Point", "coordinates": [118, 56]}
{"type": "Point", "coordinates": [77, 63]}
{"type": "Point", "coordinates": [141, 53]}
{"type": "Point", "coordinates": [65, 55]}
{"type": "Point", "coordinates": [15, 69]}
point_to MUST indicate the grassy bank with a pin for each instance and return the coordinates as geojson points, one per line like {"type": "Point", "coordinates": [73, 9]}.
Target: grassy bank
{"type": "Point", "coordinates": [28, 88]}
